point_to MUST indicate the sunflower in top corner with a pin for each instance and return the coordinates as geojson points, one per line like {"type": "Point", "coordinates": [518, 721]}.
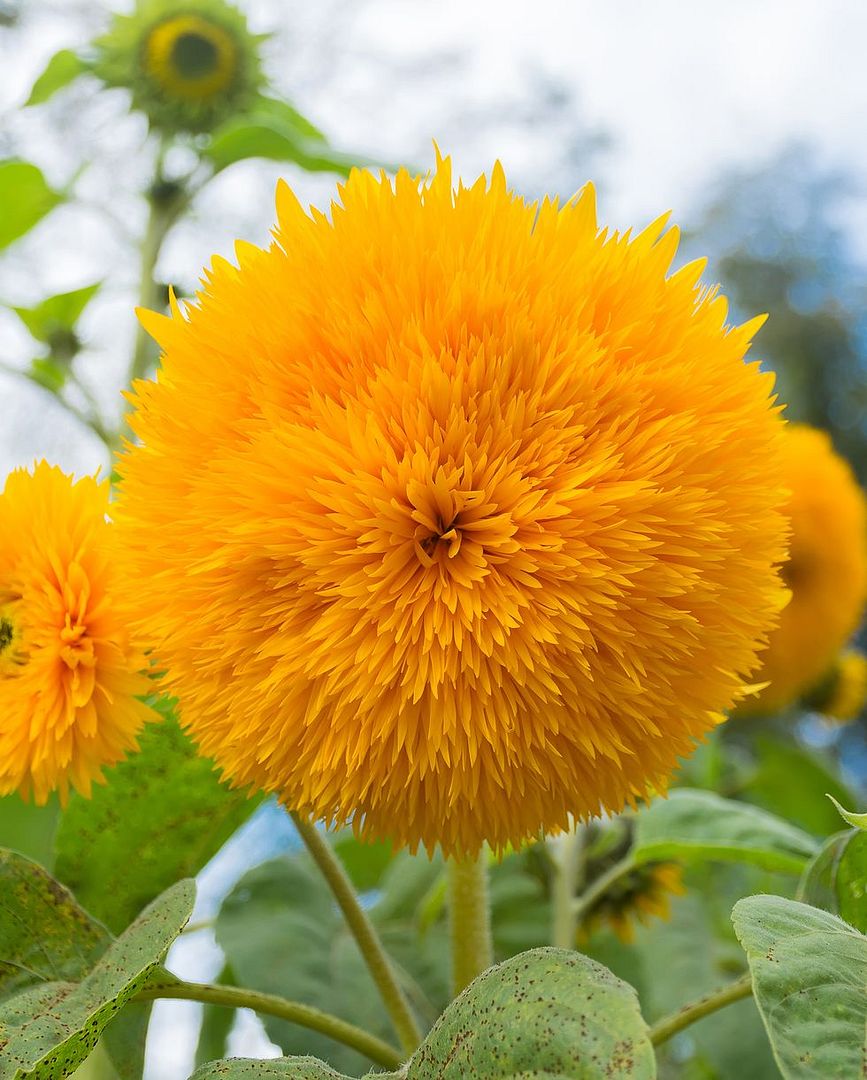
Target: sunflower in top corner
{"type": "Point", "coordinates": [71, 677]}
{"type": "Point", "coordinates": [450, 514]}
{"type": "Point", "coordinates": [190, 65]}
{"type": "Point", "coordinates": [826, 570]}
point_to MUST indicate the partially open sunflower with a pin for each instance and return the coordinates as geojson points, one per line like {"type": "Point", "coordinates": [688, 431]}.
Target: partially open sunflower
{"type": "Point", "coordinates": [189, 66]}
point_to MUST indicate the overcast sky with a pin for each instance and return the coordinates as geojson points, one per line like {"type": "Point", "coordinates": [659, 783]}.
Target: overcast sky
{"type": "Point", "coordinates": [684, 91]}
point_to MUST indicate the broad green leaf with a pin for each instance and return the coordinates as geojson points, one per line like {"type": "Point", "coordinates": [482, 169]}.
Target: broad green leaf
{"type": "Point", "coordinates": [49, 1029]}
{"type": "Point", "coordinates": [547, 1014]}
{"type": "Point", "coordinates": [272, 138]}
{"type": "Point", "coordinates": [694, 825]}
{"type": "Point", "coordinates": [791, 781]}
{"type": "Point", "coordinates": [64, 67]}
{"type": "Point", "coordinates": [365, 862]}
{"type": "Point", "coordinates": [543, 1013]}
{"type": "Point", "coordinates": [284, 113]}
{"type": "Point", "coordinates": [47, 372]}
{"type": "Point", "coordinates": [809, 973]}
{"type": "Point", "coordinates": [836, 879]}
{"type": "Point", "coordinates": [28, 828]}
{"type": "Point", "coordinates": [25, 197]}
{"type": "Point", "coordinates": [294, 1068]}
{"type": "Point", "coordinates": [161, 816]}
{"type": "Point", "coordinates": [56, 314]}
{"type": "Point", "coordinates": [282, 934]}
{"type": "Point", "coordinates": [45, 935]}
{"type": "Point", "coordinates": [858, 821]}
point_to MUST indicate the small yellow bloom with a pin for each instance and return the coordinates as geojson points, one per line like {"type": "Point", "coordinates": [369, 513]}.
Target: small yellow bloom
{"type": "Point", "coordinates": [69, 679]}
{"type": "Point", "coordinates": [643, 894]}
{"type": "Point", "coordinates": [826, 570]}
{"type": "Point", "coordinates": [453, 515]}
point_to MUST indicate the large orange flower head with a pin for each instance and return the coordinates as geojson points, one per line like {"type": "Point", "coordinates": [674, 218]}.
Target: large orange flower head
{"type": "Point", "coordinates": [826, 569]}
{"type": "Point", "coordinates": [453, 514]}
{"type": "Point", "coordinates": [69, 679]}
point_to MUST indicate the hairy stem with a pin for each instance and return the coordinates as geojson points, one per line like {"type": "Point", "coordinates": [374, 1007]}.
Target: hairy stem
{"type": "Point", "coordinates": [469, 919]}
{"type": "Point", "coordinates": [365, 935]}
{"type": "Point", "coordinates": [717, 999]}
{"type": "Point", "coordinates": [569, 856]}
{"type": "Point", "coordinates": [271, 1005]}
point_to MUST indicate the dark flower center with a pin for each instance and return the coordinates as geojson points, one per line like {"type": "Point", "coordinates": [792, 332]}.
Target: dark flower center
{"type": "Point", "coordinates": [6, 633]}
{"type": "Point", "coordinates": [194, 56]}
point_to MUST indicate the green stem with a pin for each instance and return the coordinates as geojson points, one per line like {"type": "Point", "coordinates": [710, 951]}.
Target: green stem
{"type": "Point", "coordinates": [569, 857]}
{"type": "Point", "coordinates": [167, 200]}
{"type": "Point", "coordinates": [663, 1030]}
{"type": "Point", "coordinates": [598, 888]}
{"type": "Point", "coordinates": [469, 919]}
{"type": "Point", "coordinates": [270, 1005]}
{"type": "Point", "coordinates": [161, 217]}
{"type": "Point", "coordinates": [365, 935]}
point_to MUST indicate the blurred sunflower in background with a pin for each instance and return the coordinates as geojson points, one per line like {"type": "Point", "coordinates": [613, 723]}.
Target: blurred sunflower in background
{"type": "Point", "coordinates": [645, 893]}
{"type": "Point", "coordinates": [70, 679]}
{"type": "Point", "coordinates": [189, 66]}
{"type": "Point", "coordinates": [826, 571]}
{"type": "Point", "coordinates": [842, 695]}
{"type": "Point", "coordinates": [477, 525]}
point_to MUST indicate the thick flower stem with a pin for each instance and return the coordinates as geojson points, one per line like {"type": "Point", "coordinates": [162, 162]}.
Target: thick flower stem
{"type": "Point", "coordinates": [469, 919]}
{"type": "Point", "coordinates": [270, 1005]}
{"type": "Point", "coordinates": [598, 888]}
{"type": "Point", "coordinates": [569, 857]}
{"type": "Point", "coordinates": [365, 935]}
{"type": "Point", "coordinates": [663, 1030]}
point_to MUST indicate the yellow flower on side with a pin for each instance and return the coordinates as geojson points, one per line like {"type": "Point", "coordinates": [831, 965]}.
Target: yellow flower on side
{"type": "Point", "coordinates": [643, 894]}
{"type": "Point", "coordinates": [845, 695]}
{"type": "Point", "coordinates": [69, 679]}
{"type": "Point", "coordinates": [189, 67]}
{"type": "Point", "coordinates": [826, 570]}
{"type": "Point", "coordinates": [453, 515]}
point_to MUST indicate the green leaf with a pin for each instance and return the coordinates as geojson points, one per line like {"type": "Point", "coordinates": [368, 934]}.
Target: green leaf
{"type": "Point", "coordinates": [695, 825]}
{"type": "Point", "coordinates": [28, 828]}
{"type": "Point", "coordinates": [45, 371]}
{"type": "Point", "coordinates": [45, 935]}
{"type": "Point", "coordinates": [858, 821]}
{"type": "Point", "coordinates": [836, 879]}
{"type": "Point", "coordinates": [25, 197]}
{"type": "Point", "coordinates": [364, 861]}
{"type": "Point", "coordinates": [281, 112]}
{"type": "Point", "coordinates": [548, 1014]}
{"type": "Point", "coordinates": [162, 815]}
{"type": "Point", "coordinates": [273, 138]}
{"type": "Point", "coordinates": [809, 973]}
{"type": "Point", "coordinates": [543, 1013]}
{"type": "Point", "coordinates": [48, 1029]}
{"type": "Point", "coordinates": [56, 313]}
{"type": "Point", "coordinates": [64, 67]}
{"type": "Point", "coordinates": [791, 781]}
{"type": "Point", "coordinates": [294, 1068]}
{"type": "Point", "coordinates": [282, 934]}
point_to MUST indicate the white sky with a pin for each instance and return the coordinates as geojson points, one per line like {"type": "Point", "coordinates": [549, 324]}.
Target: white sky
{"type": "Point", "coordinates": [686, 90]}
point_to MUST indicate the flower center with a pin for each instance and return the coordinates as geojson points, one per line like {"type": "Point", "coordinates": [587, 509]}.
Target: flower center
{"type": "Point", "coordinates": [7, 633]}
{"type": "Point", "coordinates": [194, 56]}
